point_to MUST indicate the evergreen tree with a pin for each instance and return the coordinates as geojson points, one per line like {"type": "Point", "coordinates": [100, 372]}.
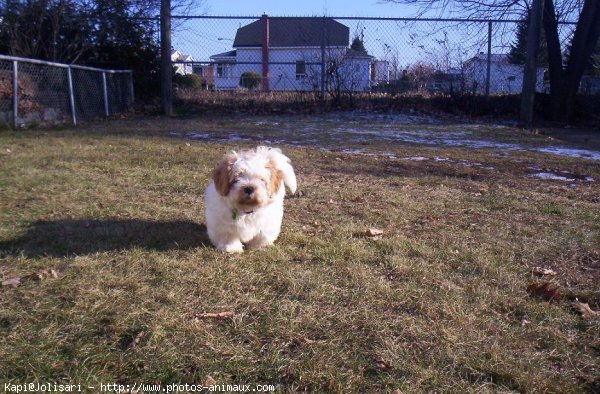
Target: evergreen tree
{"type": "Point", "coordinates": [518, 49]}
{"type": "Point", "coordinates": [358, 45]}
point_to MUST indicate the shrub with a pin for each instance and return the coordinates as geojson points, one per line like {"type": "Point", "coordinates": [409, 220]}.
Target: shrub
{"type": "Point", "coordinates": [250, 80]}
{"type": "Point", "coordinates": [192, 81]}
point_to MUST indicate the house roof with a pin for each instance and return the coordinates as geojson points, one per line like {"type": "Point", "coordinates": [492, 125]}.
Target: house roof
{"type": "Point", "coordinates": [294, 32]}
{"type": "Point", "coordinates": [224, 54]}
{"type": "Point", "coordinates": [178, 56]}
{"type": "Point", "coordinates": [494, 57]}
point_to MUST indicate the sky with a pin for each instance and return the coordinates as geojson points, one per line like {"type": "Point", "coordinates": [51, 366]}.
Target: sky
{"type": "Point", "coordinates": [443, 44]}
{"type": "Point", "coordinates": [306, 8]}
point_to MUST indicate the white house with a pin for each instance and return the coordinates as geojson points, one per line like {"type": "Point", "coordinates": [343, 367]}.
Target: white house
{"type": "Point", "coordinates": [505, 77]}
{"type": "Point", "coordinates": [381, 71]}
{"type": "Point", "coordinates": [181, 63]}
{"type": "Point", "coordinates": [286, 53]}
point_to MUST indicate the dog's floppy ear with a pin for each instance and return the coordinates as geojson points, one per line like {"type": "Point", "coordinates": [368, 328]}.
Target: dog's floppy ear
{"type": "Point", "coordinates": [222, 174]}
{"type": "Point", "coordinates": [275, 179]}
{"type": "Point", "coordinates": [282, 163]}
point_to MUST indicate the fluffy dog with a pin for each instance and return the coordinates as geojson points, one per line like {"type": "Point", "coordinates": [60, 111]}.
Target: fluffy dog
{"type": "Point", "coordinates": [244, 201]}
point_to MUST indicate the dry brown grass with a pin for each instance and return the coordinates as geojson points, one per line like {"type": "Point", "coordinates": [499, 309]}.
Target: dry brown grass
{"type": "Point", "coordinates": [438, 304]}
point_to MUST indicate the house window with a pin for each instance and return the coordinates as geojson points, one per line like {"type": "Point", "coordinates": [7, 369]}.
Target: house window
{"type": "Point", "coordinates": [224, 70]}
{"type": "Point", "coordinates": [300, 69]}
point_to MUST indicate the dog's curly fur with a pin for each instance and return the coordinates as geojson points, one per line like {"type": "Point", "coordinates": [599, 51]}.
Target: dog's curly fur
{"type": "Point", "coordinates": [244, 200]}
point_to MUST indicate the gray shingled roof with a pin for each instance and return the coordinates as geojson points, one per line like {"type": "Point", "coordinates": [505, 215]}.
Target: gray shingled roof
{"type": "Point", "coordinates": [225, 54]}
{"type": "Point", "coordinates": [294, 32]}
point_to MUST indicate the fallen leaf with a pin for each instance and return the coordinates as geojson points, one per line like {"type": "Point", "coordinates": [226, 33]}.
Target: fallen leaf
{"type": "Point", "coordinates": [541, 271]}
{"type": "Point", "coordinates": [383, 365]}
{"type": "Point", "coordinates": [430, 218]}
{"type": "Point", "coordinates": [219, 315]}
{"type": "Point", "coordinates": [545, 290]}
{"type": "Point", "coordinates": [330, 201]}
{"type": "Point", "coordinates": [524, 322]}
{"type": "Point", "coordinates": [136, 340]}
{"type": "Point", "coordinates": [313, 341]}
{"type": "Point", "coordinates": [13, 282]}
{"type": "Point", "coordinates": [374, 233]}
{"type": "Point", "coordinates": [584, 309]}
{"type": "Point", "coordinates": [36, 276]}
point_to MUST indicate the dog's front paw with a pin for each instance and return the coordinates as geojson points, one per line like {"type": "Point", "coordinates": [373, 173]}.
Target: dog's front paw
{"type": "Point", "coordinates": [259, 243]}
{"type": "Point", "coordinates": [234, 247]}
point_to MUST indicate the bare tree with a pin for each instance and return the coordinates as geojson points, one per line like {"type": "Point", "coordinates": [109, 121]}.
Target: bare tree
{"type": "Point", "coordinates": [565, 76]}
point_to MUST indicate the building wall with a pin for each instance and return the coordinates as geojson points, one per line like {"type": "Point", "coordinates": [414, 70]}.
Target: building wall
{"type": "Point", "coordinates": [382, 71]}
{"type": "Point", "coordinates": [504, 77]}
{"type": "Point", "coordinates": [355, 73]}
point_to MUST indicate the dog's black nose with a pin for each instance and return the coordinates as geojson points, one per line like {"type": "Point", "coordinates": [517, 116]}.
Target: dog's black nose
{"type": "Point", "coordinates": [248, 190]}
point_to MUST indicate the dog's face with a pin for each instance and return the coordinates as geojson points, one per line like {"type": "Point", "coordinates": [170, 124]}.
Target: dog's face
{"type": "Point", "coordinates": [248, 180]}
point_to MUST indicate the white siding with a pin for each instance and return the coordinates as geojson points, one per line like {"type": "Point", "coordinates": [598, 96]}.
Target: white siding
{"type": "Point", "coordinates": [504, 77]}
{"type": "Point", "coordinates": [354, 72]}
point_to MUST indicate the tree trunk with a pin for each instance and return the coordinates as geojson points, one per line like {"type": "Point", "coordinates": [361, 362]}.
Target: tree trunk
{"type": "Point", "coordinates": [582, 48]}
{"type": "Point", "coordinates": [564, 83]}
{"type": "Point", "coordinates": [555, 67]}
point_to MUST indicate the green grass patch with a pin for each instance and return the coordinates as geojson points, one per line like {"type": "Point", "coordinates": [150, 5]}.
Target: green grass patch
{"type": "Point", "coordinates": [439, 303]}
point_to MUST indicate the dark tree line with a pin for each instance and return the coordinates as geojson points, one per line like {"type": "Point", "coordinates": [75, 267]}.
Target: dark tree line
{"type": "Point", "coordinates": [116, 34]}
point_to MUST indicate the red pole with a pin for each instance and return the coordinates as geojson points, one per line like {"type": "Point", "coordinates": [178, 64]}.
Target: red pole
{"type": "Point", "coordinates": [265, 52]}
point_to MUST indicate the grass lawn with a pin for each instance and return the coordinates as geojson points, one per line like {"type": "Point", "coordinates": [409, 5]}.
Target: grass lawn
{"type": "Point", "coordinates": [438, 303]}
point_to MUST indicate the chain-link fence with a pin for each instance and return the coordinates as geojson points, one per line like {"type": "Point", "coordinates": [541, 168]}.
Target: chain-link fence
{"type": "Point", "coordinates": [39, 92]}
{"type": "Point", "coordinates": [352, 54]}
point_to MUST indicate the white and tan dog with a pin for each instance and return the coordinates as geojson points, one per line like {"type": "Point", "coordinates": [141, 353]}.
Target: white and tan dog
{"type": "Point", "coordinates": [244, 201]}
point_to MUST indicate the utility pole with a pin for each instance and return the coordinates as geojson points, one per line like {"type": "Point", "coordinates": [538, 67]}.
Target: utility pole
{"type": "Point", "coordinates": [530, 70]}
{"type": "Point", "coordinates": [265, 52]}
{"type": "Point", "coordinates": [166, 72]}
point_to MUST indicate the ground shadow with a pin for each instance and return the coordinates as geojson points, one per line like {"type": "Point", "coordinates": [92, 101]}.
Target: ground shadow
{"type": "Point", "coordinates": [67, 237]}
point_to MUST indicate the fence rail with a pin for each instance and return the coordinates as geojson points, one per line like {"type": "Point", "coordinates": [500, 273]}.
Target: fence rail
{"type": "Point", "coordinates": [37, 91]}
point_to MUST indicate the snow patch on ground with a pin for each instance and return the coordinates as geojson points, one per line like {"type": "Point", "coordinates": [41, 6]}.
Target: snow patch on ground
{"type": "Point", "coordinates": [551, 176]}
{"type": "Point", "coordinates": [344, 130]}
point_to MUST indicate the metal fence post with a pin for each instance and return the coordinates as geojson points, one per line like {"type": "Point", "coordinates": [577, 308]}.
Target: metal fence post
{"type": "Point", "coordinates": [323, 58]}
{"type": "Point", "coordinates": [71, 96]}
{"type": "Point", "coordinates": [105, 91]}
{"type": "Point", "coordinates": [166, 68]}
{"type": "Point", "coordinates": [489, 60]}
{"type": "Point", "coordinates": [15, 93]}
{"type": "Point", "coordinates": [131, 90]}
